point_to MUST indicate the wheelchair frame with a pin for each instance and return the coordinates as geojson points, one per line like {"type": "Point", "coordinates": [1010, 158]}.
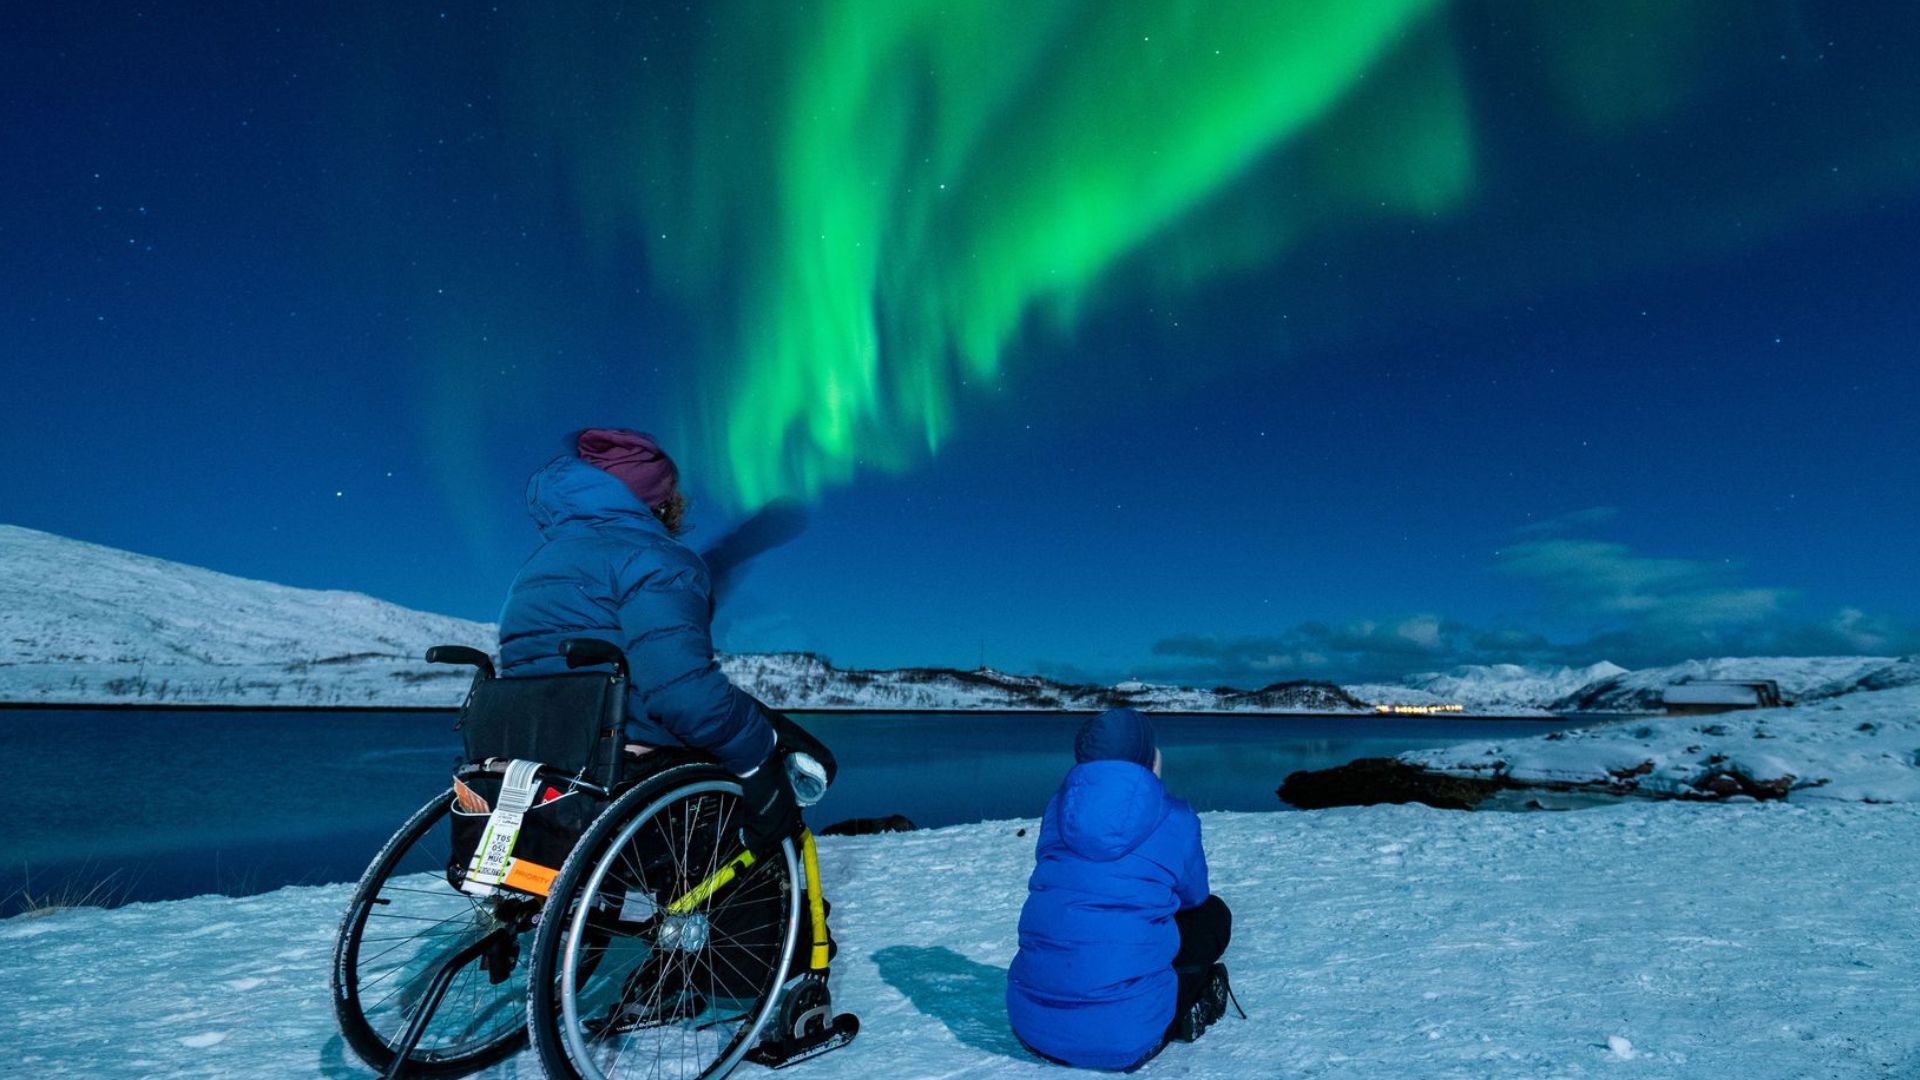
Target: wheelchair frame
{"type": "Point", "coordinates": [669, 779]}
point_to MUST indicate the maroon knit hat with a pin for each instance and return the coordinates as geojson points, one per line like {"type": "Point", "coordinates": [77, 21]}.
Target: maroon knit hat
{"type": "Point", "coordinates": [634, 458]}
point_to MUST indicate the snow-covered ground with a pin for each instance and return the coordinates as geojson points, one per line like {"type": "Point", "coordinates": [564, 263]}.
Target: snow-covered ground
{"type": "Point", "coordinates": [1638, 940]}
{"type": "Point", "coordinates": [1862, 746]}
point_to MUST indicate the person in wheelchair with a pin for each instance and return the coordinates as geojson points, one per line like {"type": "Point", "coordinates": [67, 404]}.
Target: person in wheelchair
{"type": "Point", "coordinates": [612, 897]}
{"type": "Point", "coordinates": [612, 566]}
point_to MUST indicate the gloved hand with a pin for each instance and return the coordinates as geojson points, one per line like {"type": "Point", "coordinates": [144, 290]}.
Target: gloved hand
{"type": "Point", "coordinates": [772, 813]}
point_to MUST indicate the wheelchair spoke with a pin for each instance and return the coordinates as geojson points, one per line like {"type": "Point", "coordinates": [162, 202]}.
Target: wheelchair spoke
{"type": "Point", "coordinates": [409, 921]}
{"type": "Point", "coordinates": [674, 992]}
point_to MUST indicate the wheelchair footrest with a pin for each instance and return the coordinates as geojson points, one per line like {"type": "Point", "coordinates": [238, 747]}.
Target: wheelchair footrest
{"type": "Point", "coordinates": [804, 1025]}
{"type": "Point", "coordinates": [780, 1053]}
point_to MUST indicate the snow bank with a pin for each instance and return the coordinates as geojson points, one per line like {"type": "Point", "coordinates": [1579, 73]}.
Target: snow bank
{"type": "Point", "coordinates": [1863, 747]}
{"type": "Point", "coordinates": [1646, 939]}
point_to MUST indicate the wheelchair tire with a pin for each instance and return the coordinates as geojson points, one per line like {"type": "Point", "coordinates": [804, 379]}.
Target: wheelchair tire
{"type": "Point", "coordinates": [618, 986]}
{"type": "Point", "coordinates": [403, 918]}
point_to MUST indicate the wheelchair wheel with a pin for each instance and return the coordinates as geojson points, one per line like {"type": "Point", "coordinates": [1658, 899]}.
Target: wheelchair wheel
{"type": "Point", "coordinates": [402, 926]}
{"type": "Point", "coordinates": [621, 985]}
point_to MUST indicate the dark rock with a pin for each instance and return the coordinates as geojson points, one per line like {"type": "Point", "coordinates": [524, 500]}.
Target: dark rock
{"type": "Point", "coordinates": [867, 826]}
{"type": "Point", "coordinates": [1727, 783]}
{"type": "Point", "coordinates": [1719, 783]}
{"type": "Point", "coordinates": [1641, 769]}
{"type": "Point", "coordinates": [1372, 781]}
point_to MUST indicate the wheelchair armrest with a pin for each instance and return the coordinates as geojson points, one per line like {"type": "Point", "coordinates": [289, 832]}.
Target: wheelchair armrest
{"type": "Point", "coordinates": [461, 654]}
{"type": "Point", "coordinates": [586, 652]}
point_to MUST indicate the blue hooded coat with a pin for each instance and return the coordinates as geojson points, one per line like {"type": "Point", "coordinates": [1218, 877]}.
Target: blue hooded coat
{"type": "Point", "coordinates": [609, 570]}
{"type": "Point", "coordinates": [1093, 982]}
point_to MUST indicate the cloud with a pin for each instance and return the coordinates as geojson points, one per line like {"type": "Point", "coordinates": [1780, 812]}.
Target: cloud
{"type": "Point", "coordinates": [1634, 609]}
{"type": "Point", "coordinates": [1865, 633]}
{"type": "Point", "coordinates": [1361, 648]}
{"type": "Point", "coordinates": [1572, 521]}
{"type": "Point", "coordinates": [1598, 579]}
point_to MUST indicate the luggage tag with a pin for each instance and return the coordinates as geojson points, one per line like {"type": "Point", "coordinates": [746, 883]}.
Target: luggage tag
{"type": "Point", "coordinates": [490, 864]}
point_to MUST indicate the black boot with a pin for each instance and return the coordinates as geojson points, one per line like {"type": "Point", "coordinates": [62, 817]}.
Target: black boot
{"type": "Point", "coordinates": [1211, 1006]}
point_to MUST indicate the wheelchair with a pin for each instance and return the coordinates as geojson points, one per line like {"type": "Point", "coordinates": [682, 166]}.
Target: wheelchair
{"type": "Point", "coordinates": [600, 904]}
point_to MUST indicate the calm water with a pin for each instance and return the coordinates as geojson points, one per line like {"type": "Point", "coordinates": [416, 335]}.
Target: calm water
{"type": "Point", "coordinates": [170, 804]}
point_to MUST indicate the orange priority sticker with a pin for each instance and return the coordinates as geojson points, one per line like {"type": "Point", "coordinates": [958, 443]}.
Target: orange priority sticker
{"type": "Point", "coordinates": [529, 877]}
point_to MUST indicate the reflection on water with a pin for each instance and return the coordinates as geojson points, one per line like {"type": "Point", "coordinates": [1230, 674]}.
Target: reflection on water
{"type": "Point", "coordinates": [178, 803]}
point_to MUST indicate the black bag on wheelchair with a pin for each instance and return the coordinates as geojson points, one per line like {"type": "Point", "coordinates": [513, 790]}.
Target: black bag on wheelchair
{"type": "Point", "coordinates": [514, 824]}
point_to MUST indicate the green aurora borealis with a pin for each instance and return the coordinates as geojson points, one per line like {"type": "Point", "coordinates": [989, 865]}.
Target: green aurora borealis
{"type": "Point", "coordinates": [1094, 332]}
{"type": "Point", "coordinates": [866, 205]}
{"type": "Point", "coordinates": [876, 197]}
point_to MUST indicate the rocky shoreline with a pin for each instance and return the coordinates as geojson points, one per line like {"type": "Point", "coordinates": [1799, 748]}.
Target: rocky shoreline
{"type": "Point", "coordinates": [1390, 781]}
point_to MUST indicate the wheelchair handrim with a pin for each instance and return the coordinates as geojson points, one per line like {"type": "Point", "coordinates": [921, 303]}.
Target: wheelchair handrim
{"type": "Point", "coordinates": [570, 948]}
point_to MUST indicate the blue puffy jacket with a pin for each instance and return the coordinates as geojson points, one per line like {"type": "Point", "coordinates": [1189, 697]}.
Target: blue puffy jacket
{"type": "Point", "coordinates": [1093, 983]}
{"type": "Point", "coordinates": [609, 570]}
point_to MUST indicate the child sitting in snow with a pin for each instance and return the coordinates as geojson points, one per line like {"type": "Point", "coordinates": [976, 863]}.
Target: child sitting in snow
{"type": "Point", "coordinates": [1119, 939]}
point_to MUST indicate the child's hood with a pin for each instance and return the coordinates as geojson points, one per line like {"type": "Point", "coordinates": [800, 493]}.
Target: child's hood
{"type": "Point", "coordinates": [1108, 807]}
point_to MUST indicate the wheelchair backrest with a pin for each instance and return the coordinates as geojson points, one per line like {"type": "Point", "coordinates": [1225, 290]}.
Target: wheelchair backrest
{"type": "Point", "coordinates": [571, 722]}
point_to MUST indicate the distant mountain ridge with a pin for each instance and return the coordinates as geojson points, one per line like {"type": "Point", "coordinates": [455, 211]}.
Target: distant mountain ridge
{"type": "Point", "coordinates": [1489, 687]}
{"type": "Point", "coordinates": [81, 623]}
{"type": "Point", "coordinates": [806, 681]}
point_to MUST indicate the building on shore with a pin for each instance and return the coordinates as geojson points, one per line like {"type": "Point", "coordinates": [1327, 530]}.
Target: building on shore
{"type": "Point", "coordinates": [1721, 695]}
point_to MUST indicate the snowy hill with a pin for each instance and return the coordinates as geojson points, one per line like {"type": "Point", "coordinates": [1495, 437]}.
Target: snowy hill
{"type": "Point", "coordinates": [1653, 940]}
{"type": "Point", "coordinates": [1603, 687]}
{"type": "Point", "coordinates": [1864, 746]}
{"type": "Point", "coordinates": [1490, 688]}
{"type": "Point", "coordinates": [84, 623]}
{"type": "Point", "coordinates": [1801, 678]}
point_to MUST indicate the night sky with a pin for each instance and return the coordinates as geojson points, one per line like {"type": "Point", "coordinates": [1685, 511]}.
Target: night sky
{"type": "Point", "coordinates": [1201, 342]}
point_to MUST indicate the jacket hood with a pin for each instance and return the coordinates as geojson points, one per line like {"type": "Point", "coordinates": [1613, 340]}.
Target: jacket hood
{"type": "Point", "coordinates": [1108, 807]}
{"type": "Point", "coordinates": [567, 489]}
